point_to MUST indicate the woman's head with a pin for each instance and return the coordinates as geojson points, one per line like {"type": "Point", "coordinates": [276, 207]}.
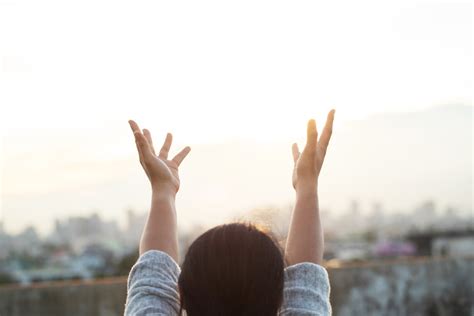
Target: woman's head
{"type": "Point", "coordinates": [233, 269]}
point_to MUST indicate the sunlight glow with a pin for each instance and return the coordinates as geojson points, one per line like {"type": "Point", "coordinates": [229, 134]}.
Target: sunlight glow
{"type": "Point", "coordinates": [211, 72]}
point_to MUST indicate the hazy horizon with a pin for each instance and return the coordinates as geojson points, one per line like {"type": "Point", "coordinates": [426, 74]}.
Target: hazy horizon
{"type": "Point", "coordinates": [366, 162]}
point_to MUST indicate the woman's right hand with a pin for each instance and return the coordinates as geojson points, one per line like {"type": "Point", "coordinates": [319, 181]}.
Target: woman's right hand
{"type": "Point", "coordinates": [308, 164]}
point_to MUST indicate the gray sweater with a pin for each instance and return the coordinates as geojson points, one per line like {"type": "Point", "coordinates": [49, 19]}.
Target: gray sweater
{"type": "Point", "coordinates": [153, 288]}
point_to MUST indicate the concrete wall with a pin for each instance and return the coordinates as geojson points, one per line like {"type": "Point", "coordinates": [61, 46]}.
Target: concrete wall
{"type": "Point", "coordinates": [421, 287]}
{"type": "Point", "coordinates": [65, 298]}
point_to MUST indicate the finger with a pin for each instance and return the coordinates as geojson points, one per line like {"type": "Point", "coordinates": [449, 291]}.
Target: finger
{"type": "Point", "coordinates": [149, 139]}
{"type": "Point", "coordinates": [166, 146]}
{"type": "Point", "coordinates": [133, 126]}
{"type": "Point", "coordinates": [140, 158]}
{"type": "Point", "coordinates": [178, 159]}
{"type": "Point", "coordinates": [143, 147]}
{"type": "Point", "coordinates": [327, 132]}
{"type": "Point", "coordinates": [139, 150]}
{"type": "Point", "coordinates": [312, 135]}
{"type": "Point", "coordinates": [296, 152]}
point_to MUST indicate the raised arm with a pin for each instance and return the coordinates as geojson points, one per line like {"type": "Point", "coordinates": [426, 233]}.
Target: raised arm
{"type": "Point", "coordinates": [160, 232]}
{"type": "Point", "coordinates": [305, 242]}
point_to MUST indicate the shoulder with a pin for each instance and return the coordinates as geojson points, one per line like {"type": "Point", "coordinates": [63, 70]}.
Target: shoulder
{"type": "Point", "coordinates": [306, 290]}
{"type": "Point", "coordinates": [307, 274]}
{"type": "Point", "coordinates": [153, 285]}
{"type": "Point", "coordinates": [154, 260]}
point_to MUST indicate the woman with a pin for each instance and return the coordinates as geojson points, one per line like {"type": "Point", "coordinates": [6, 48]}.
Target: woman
{"type": "Point", "coordinates": [233, 269]}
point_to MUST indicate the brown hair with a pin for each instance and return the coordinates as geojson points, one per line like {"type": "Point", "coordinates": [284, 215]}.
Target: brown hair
{"type": "Point", "coordinates": [232, 269]}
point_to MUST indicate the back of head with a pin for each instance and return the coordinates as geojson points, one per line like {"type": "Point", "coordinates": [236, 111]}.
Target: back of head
{"type": "Point", "coordinates": [233, 269]}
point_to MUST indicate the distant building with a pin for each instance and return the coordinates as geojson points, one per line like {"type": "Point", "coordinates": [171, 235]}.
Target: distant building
{"type": "Point", "coordinates": [456, 246]}
{"type": "Point", "coordinates": [444, 243]}
{"type": "Point", "coordinates": [80, 232]}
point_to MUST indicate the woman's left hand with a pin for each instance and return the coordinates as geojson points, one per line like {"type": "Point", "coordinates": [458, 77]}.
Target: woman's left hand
{"type": "Point", "coordinates": [162, 172]}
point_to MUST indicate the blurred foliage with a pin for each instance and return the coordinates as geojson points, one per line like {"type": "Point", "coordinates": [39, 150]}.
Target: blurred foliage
{"type": "Point", "coordinates": [126, 263]}
{"type": "Point", "coordinates": [6, 278]}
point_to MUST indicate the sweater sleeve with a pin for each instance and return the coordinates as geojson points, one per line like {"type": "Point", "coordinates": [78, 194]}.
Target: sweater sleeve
{"type": "Point", "coordinates": [152, 287]}
{"type": "Point", "coordinates": [306, 290]}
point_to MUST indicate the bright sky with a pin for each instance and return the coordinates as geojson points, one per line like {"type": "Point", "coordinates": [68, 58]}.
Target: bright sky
{"type": "Point", "coordinates": [207, 68]}
{"type": "Point", "coordinates": [213, 71]}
